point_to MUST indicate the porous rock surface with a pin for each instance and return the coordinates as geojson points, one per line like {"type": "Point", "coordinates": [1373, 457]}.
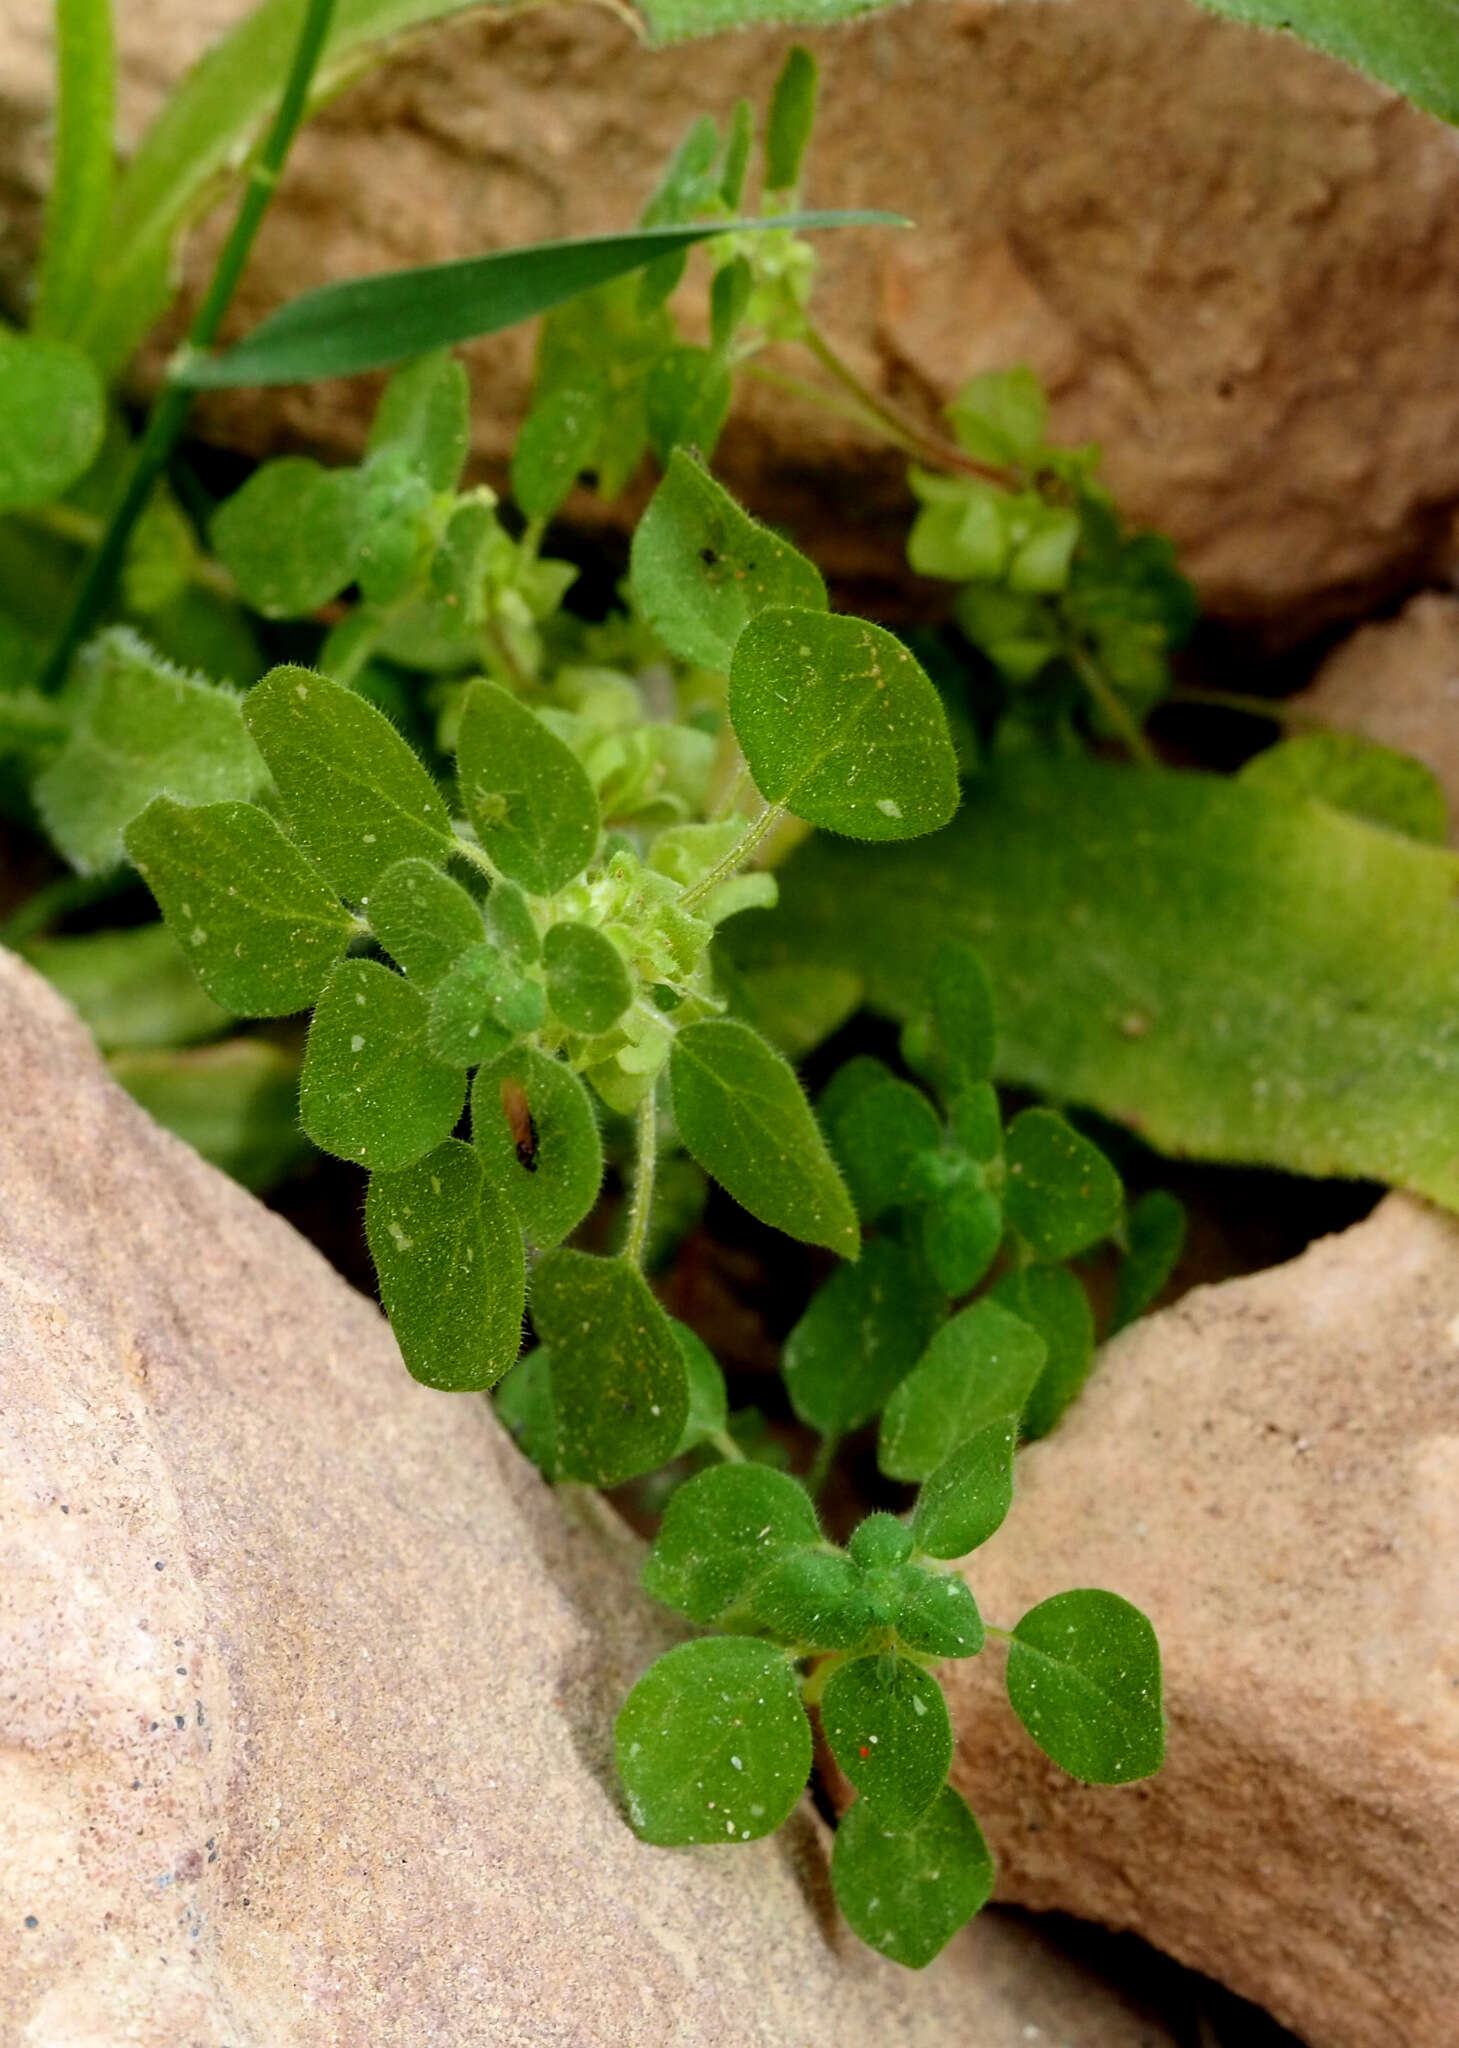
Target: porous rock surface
{"type": "Point", "coordinates": [307, 1682]}
{"type": "Point", "coordinates": [1398, 682]}
{"type": "Point", "coordinates": [1231, 259]}
{"type": "Point", "coordinates": [1271, 1470]}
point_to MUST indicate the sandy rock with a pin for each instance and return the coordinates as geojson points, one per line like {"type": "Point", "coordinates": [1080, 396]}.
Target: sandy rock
{"type": "Point", "coordinates": [309, 1682]}
{"type": "Point", "coordinates": [1271, 1469]}
{"type": "Point", "coordinates": [1398, 683]}
{"type": "Point", "coordinates": [1231, 259]}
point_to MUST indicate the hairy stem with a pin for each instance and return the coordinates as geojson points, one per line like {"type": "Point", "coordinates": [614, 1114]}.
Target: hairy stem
{"type": "Point", "coordinates": [1112, 705]}
{"type": "Point", "coordinates": [169, 414]}
{"type": "Point", "coordinates": [645, 1159]}
{"type": "Point", "coordinates": [735, 859]}
{"type": "Point", "coordinates": [899, 426]}
{"type": "Point", "coordinates": [821, 1464]}
{"type": "Point", "coordinates": [721, 1441]}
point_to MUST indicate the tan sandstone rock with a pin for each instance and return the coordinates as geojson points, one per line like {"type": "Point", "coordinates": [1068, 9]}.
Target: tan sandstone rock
{"type": "Point", "coordinates": [1271, 1469]}
{"type": "Point", "coordinates": [1232, 260]}
{"type": "Point", "coordinates": [1398, 683]}
{"type": "Point", "coordinates": [307, 1682]}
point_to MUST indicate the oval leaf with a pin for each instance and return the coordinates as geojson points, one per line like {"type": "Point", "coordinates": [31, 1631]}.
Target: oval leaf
{"type": "Point", "coordinates": [937, 1615]}
{"type": "Point", "coordinates": [1053, 1302]}
{"type": "Point", "coordinates": [52, 417]}
{"type": "Point", "coordinates": [721, 1532]}
{"type": "Point", "coordinates": [966, 1499]}
{"type": "Point", "coordinates": [423, 919]}
{"type": "Point", "coordinates": [619, 1387]}
{"type": "Point", "coordinates": [906, 1893]}
{"type": "Point", "coordinates": [1062, 1195]}
{"type": "Point", "coordinates": [289, 538]}
{"type": "Point", "coordinates": [839, 724]}
{"type": "Point", "coordinates": [370, 1090]}
{"type": "Point", "coordinates": [859, 1338]}
{"type": "Point", "coordinates": [526, 793]}
{"type": "Point", "coordinates": [448, 1255]}
{"type": "Point", "coordinates": [257, 924]}
{"type": "Point", "coordinates": [356, 796]}
{"type": "Point", "coordinates": [886, 1721]}
{"type": "Point", "coordinates": [980, 1366]}
{"type": "Point", "coordinates": [713, 1744]}
{"type": "Point", "coordinates": [588, 985]}
{"type": "Point", "coordinates": [532, 1122]}
{"type": "Point", "coordinates": [1084, 1679]}
{"type": "Point", "coordinates": [741, 1112]}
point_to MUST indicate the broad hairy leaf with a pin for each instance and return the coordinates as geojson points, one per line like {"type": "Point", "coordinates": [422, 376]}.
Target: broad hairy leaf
{"type": "Point", "coordinates": [861, 1335]}
{"type": "Point", "coordinates": [981, 1366]}
{"type": "Point", "coordinates": [423, 919]}
{"type": "Point", "coordinates": [937, 1615]}
{"type": "Point", "coordinates": [133, 989]}
{"type": "Point", "coordinates": [533, 1125]}
{"type": "Point", "coordinates": [290, 537]}
{"type": "Point", "coordinates": [526, 793]}
{"type": "Point", "coordinates": [708, 1397]}
{"type": "Point", "coordinates": [1084, 1679]}
{"type": "Point", "coordinates": [258, 925]}
{"type": "Point", "coordinates": [906, 1892]}
{"type": "Point", "coordinates": [1062, 1195]}
{"type": "Point", "coordinates": [355, 795]}
{"type": "Point", "coordinates": [464, 1026]}
{"type": "Point", "coordinates": [721, 1532]}
{"type": "Point", "coordinates": [883, 1140]}
{"type": "Point", "coordinates": [588, 985]}
{"type": "Point", "coordinates": [371, 1091]}
{"type": "Point", "coordinates": [557, 441]}
{"type": "Point", "coordinates": [701, 568]}
{"type": "Point", "coordinates": [1412, 45]}
{"type": "Point", "coordinates": [840, 725]}
{"type": "Point", "coordinates": [1156, 1230]}
{"type": "Point", "coordinates": [140, 729]}
{"type": "Point", "coordinates": [368, 323]}
{"type": "Point", "coordinates": [424, 415]}
{"type": "Point", "coordinates": [620, 1390]}
{"type": "Point", "coordinates": [52, 416]}
{"type": "Point", "coordinates": [713, 1744]}
{"type": "Point", "coordinates": [1236, 975]}
{"type": "Point", "coordinates": [1051, 1299]}
{"type": "Point", "coordinates": [964, 1500]}
{"type": "Point", "coordinates": [741, 1113]}
{"type": "Point", "coordinates": [887, 1724]}
{"type": "Point", "coordinates": [815, 1597]}
{"type": "Point", "coordinates": [448, 1253]}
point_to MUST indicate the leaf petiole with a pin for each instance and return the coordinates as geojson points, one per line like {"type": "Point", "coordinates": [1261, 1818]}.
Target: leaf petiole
{"type": "Point", "coordinates": [736, 858]}
{"type": "Point", "coordinates": [645, 1161]}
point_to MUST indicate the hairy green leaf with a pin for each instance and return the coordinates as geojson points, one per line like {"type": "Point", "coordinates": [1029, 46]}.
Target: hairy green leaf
{"type": "Point", "coordinates": [1239, 976]}
{"type": "Point", "coordinates": [965, 1499]}
{"type": "Point", "coordinates": [423, 919]}
{"type": "Point", "coordinates": [355, 795]}
{"type": "Point", "coordinates": [790, 120]}
{"type": "Point", "coordinates": [619, 1386]}
{"type": "Point", "coordinates": [887, 1724]}
{"type": "Point", "coordinates": [259, 926]}
{"type": "Point", "coordinates": [708, 1415]}
{"type": "Point", "coordinates": [588, 985]}
{"type": "Point", "coordinates": [907, 1892]}
{"type": "Point", "coordinates": [368, 323]}
{"type": "Point", "coordinates": [525, 791]}
{"type": "Point", "coordinates": [465, 1024]}
{"type": "Point", "coordinates": [532, 1122]}
{"type": "Point", "coordinates": [713, 1744]}
{"type": "Point", "coordinates": [424, 415]}
{"type": "Point", "coordinates": [883, 1140]}
{"type": "Point", "coordinates": [741, 1112]}
{"type": "Point", "coordinates": [937, 1615]}
{"type": "Point", "coordinates": [1156, 1227]}
{"type": "Point", "coordinates": [557, 442]}
{"type": "Point", "coordinates": [981, 1366]}
{"type": "Point", "coordinates": [813, 1596]}
{"type": "Point", "coordinates": [1084, 1679]}
{"type": "Point", "coordinates": [290, 537]}
{"type": "Point", "coordinates": [1062, 1195]}
{"type": "Point", "coordinates": [371, 1091]}
{"type": "Point", "coordinates": [962, 1228]}
{"type": "Point", "coordinates": [524, 1404]}
{"type": "Point", "coordinates": [1051, 1301]}
{"type": "Point", "coordinates": [840, 725]}
{"type": "Point", "coordinates": [448, 1253]}
{"type": "Point", "coordinates": [52, 416]}
{"type": "Point", "coordinates": [140, 729]}
{"type": "Point", "coordinates": [860, 1337]}
{"type": "Point", "coordinates": [1355, 774]}
{"type": "Point", "coordinates": [720, 1533]}
{"type": "Point", "coordinates": [701, 568]}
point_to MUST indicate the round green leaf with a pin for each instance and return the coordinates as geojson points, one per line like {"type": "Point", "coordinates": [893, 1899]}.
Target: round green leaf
{"type": "Point", "coordinates": [721, 1532]}
{"type": "Point", "coordinates": [1156, 1231]}
{"type": "Point", "coordinates": [557, 442]}
{"type": "Point", "coordinates": [524, 1404]}
{"type": "Point", "coordinates": [424, 414]}
{"type": "Point", "coordinates": [532, 1122]}
{"type": "Point", "coordinates": [708, 1400]}
{"type": "Point", "coordinates": [886, 1721]}
{"type": "Point", "coordinates": [816, 1597]}
{"type": "Point", "coordinates": [880, 1543]}
{"type": "Point", "coordinates": [980, 1366]}
{"type": "Point", "coordinates": [619, 1387]}
{"type": "Point", "coordinates": [423, 919]}
{"type": "Point", "coordinates": [467, 1023]}
{"type": "Point", "coordinates": [370, 1090]}
{"type": "Point", "coordinates": [882, 1138]}
{"type": "Point", "coordinates": [741, 1113]}
{"type": "Point", "coordinates": [448, 1253]}
{"type": "Point", "coordinates": [937, 1615]}
{"type": "Point", "coordinates": [525, 791]}
{"type": "Point", "coordinates": [907, 1892]}
{"type": "Point", "coordinates": [859, 1338]}
{"type": "Point", "coordinates": [713, 1744]}
{"type": "Point", "coordinates": [965, 1500]}
{"type": "Point", "coordinates": [289, 538]}
{"type": "Point", "coordinates": [962, 1228]}
{"type": "Point", "coordinates": [1084, 1679]}
{"type": "Point", "coordinates": [839, 724]}
{"type": "Point", "coordinates": [1051, 1300]}
{"type": "Point", "coordinates": [258, 925]}
{"type": "Point", "coordinates": [355, 795]}
{"type": "Point", "coordinates": [1062, 1194]}
{"type": "Point", "coordinates": [52, 417]}
{"type": "Point", "coordinates": [588, 984]}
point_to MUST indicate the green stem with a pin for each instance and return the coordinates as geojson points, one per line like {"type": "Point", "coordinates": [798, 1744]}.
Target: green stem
{"type": "Point", "coordinates": [1272, 709]}
{"type": "Point", "coordinates": [897, 425]}
{"type": "Point", "coordinates": [1004, 1635]}
{"type": "Point", "coordinates": [721, 1441]}
{"type": "Point", "coordinates": [1112, 705]}
{"type": "Point", "coordinates": [815, 1684]}
{"type": "Point", "coordinates": [645, 1159]}
{"type": "Point", "coordinates": [169, 414]}
{"type": "Point", "coordinates": [735, 859]}
{"type": "Point", "coordinates": [84, 529]}
{"type": "Point", "coordinates": [821, 1464]}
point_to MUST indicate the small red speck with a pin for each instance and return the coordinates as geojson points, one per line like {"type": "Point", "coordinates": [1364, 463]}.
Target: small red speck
{"type": "Point", "coordinates": [864, 1750]}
